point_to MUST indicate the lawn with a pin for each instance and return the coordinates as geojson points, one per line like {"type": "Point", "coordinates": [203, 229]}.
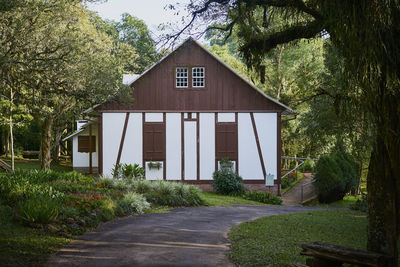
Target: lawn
{"type": "Point", "coordinates": [214, 199]}
{"type": "Point", "coordinates": [34, 164]}
{"type": "Point", "coordinates": [20, 245]}
{"type": "Point", "coordinates": [275, 240]}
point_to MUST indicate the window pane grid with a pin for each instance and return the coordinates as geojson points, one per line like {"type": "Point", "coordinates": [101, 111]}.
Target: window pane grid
{"type": "Point", "coordinates": [182, 77]}
{"type": "Point", "coordinates": [198, 77]}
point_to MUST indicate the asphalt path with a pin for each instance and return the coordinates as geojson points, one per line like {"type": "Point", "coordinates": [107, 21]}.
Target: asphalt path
{"type": "Point", "coordinates": [182, 237]}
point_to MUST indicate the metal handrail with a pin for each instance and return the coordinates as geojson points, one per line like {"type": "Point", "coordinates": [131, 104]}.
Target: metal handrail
{"type": "Point", "coordinates": [295, 168]}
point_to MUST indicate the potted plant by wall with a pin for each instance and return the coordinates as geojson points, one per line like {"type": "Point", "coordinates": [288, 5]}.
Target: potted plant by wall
{"type": "Point", "coordinates": [226, 163]}
{"type": "Point", "coordinates": [154, 165]}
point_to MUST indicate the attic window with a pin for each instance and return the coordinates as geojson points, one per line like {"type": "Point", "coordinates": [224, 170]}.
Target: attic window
{"type": "Point", "coordinates": [181, 77]}
{"type": "Point", "coordinates": [198, 76]}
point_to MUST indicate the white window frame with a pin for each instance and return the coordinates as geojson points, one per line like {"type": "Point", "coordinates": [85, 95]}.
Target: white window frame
{"type": "Point", "coordinates": [178, 73]}
{"type": "Point", "coordinates": [195, 75]}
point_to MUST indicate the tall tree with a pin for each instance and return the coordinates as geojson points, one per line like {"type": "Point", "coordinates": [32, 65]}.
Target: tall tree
{"type": "Point", "coordinates": [366, 34]}
{"type": "Point", "coordinates": [134, 32]}
{"type": "Point", "coordinates": [58, 60]}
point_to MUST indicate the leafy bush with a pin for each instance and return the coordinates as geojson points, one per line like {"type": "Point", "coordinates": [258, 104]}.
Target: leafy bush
{"type": "Point", "coordinates": [107, 209]}
{"type": "Point", "coordinates": [128, 171]}
{"type": "Point", "coordinates": [166, 193]}
{"type": "Point", "coordinates": [308, 166]}
{"type": "Point", "coordinates": [263, 197]}
{"type": "Point", "coordinates": [132, 203]}
{"type": "Point", "coordinates": [335, 176]}
{"type": "Point", "coordinates": [227, 182]}
{"type": "Point", "coordinates": [38, 209]}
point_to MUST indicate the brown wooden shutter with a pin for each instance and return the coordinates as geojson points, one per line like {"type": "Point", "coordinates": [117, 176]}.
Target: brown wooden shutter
{"type": "Point", "coordinates": [154, 141]}
{"type": "Point", "coordinates": [83, 144]}
{"type": "Point", "coordinates": [226, 137]}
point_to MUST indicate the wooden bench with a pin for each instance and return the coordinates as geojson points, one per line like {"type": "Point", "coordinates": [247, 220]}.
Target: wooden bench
{"type": "Point", "coordinates": [327, 255]}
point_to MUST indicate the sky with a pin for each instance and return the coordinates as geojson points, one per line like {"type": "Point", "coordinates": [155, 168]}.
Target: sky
{"type": "Point", "coordinates": [152, 12]}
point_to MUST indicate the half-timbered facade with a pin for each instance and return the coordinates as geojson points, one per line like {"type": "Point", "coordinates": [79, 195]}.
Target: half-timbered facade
{"type": "Point", "coordinates": [189, 111]}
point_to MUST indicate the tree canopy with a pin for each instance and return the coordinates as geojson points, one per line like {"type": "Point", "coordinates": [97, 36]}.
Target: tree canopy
{"type": "Point", "coordinates": [366, 36]}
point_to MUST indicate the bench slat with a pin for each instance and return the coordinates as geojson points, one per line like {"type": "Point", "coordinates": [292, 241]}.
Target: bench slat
{"type": "Point", "coordinates": [343, 254]}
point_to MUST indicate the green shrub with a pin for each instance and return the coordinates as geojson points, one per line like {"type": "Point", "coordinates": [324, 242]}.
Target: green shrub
{"type": "Point", "coordinates": [308, 166]}
{"type": "Point", "coordinates": [107, 209]}
{"type": "Point", "coordinates": [38, 209]}
{"type": "Point", "coordinates": [132, 203]}
{"type": "Point", "coordinates": [166, 193]}
{"type": "Point", "coordinates": [263, 197]}
{"type": "Point", "coordinates": [227, 182]}
{"type": "Point", "coordinates": [128, 171]}
{"type": "Point", "coordinates": [335, 176]}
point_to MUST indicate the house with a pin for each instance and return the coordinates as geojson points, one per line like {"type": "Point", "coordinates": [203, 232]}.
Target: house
{"type": "Point", "coordinates": [189, 111]}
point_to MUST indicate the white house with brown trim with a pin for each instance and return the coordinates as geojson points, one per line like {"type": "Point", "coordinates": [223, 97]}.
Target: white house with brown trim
{"type": "Point", "coordinates": [189, 111]}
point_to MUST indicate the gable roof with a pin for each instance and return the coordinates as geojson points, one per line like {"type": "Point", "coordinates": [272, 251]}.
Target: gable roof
{"type": "Point", "coordinates": [287, 110]}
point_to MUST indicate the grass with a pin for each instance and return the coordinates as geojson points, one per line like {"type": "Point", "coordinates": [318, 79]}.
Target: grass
{"type": "Point", "coordinates": [213, 199]}
{"type": "Point", "coordinates": [34, 164]}
{"type": "Point", "coordinates": [275, 240]}
{"type": "Point", "coordinates": [347, 202]}
{"type": "Point", "coordinates": [23, 246]}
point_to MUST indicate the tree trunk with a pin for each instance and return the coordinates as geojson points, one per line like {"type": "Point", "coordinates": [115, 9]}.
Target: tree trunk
{"type": "Point", "coordinates": [12, 142]}
{"type": "Point", "coordinates": [45, 150]}
{"type": "Point", "coordinates": [383, 184]}
{"type": "Point", "coordinates": [56, 152]}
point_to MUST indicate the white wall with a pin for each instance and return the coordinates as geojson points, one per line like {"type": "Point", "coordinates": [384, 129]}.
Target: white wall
{"type": "Point", "coordinates": [80, 159]}
{"type": "Point", "coordinates": [154, 174]}
{"type": "Point", "coordinates": [190, 150]}
{"type": "Point", "coordinates": [207, 145]}
{"type": "Point", "coordinates": [132, 151]}
{"type": "Point", "coordinates": [267, 134]}
{"type": "Point", "coordinates": [249, 160]}
{"type": "Point", "coordinates": [173, 146]}
{"type": "Point", "coordinates": [226, 117]}
{"type": "Point", "coordinates": [113, 124]}
{"type": "Point", "coordinates": [154, 117]}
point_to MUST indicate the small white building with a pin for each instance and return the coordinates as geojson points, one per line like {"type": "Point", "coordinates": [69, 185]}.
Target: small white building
{"type": "Point", "coordinates": [189, 111]}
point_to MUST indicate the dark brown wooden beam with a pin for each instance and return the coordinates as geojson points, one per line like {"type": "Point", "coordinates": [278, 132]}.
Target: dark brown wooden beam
{"type": "Point", "coordinates": [121, 144]}
{"type": "Point", "coordinates": [90, 150]}
{"type": "Point", "coordinates": [182, 146]}
{"type": "Point", "coordinates": [100, 134]}
{"type": "Point", "coordinates": [198, 145]}
{"type": "Point", "coordinates": [279, 153]}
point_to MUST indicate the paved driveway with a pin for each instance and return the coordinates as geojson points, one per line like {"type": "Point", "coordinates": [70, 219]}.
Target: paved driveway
{"type": "Point", "coordinates": [183, 237]}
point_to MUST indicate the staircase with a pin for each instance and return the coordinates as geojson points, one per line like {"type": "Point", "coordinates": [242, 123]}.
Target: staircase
{"type": "Point", "coordinates": [301, 192]}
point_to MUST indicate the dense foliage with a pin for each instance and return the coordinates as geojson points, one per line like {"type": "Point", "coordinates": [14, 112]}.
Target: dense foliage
{"type": "Point", "coordinates": [72, 202]}
{"type": "Point", "coordinates": [335, 176]}
{"type": "Point", "coordinates": [366, 36]}
{"type": "Point", "coordinates": [227, 182]}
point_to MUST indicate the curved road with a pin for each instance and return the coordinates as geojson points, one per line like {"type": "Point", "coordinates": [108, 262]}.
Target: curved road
{"type": "Point", "coordinates": [183, 237]}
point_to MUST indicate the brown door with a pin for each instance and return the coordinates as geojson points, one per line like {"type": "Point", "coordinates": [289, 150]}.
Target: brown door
{"type": "Point", "coordinates": [154, 141]}
{"type": "Point", "coordinates": [226, 138]}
